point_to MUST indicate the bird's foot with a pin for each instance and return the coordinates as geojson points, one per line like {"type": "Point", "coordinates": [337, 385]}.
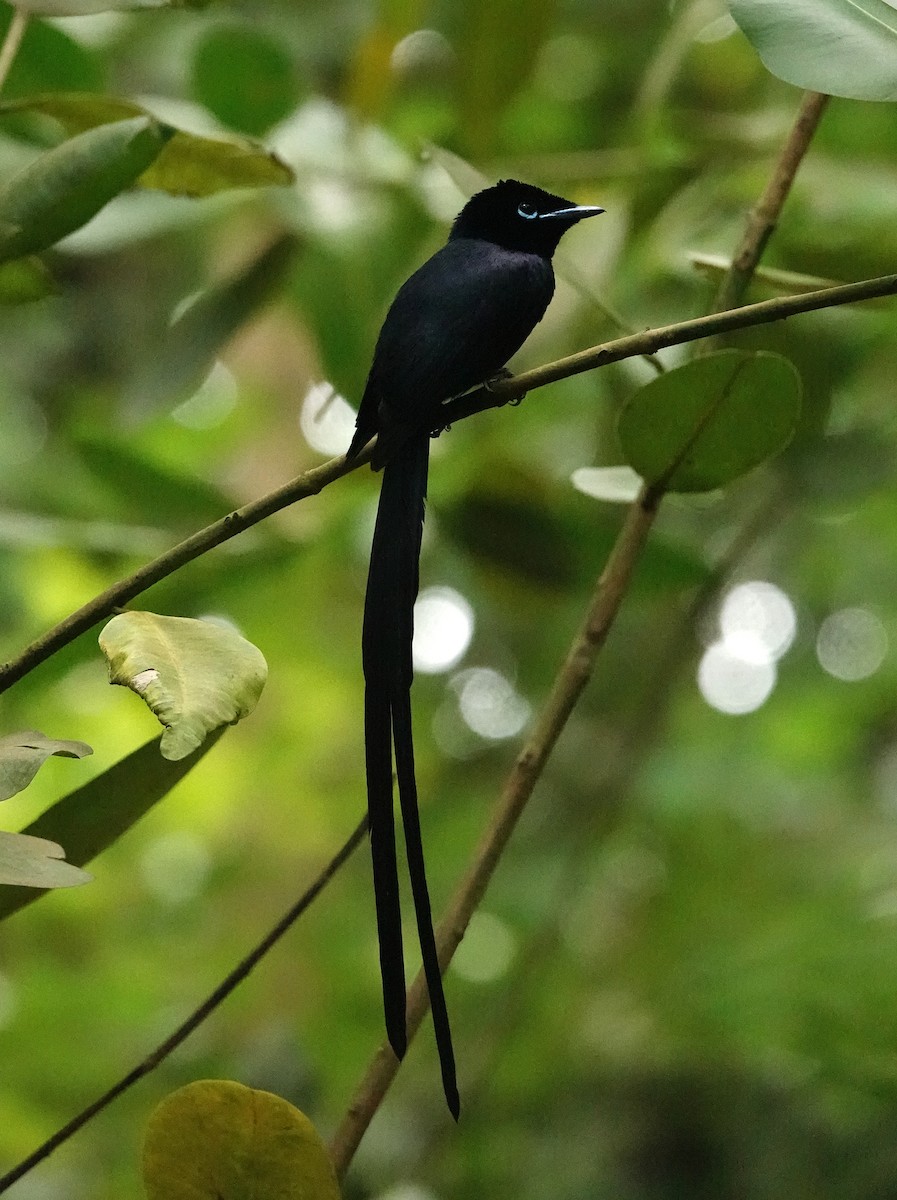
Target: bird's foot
{"type": "Point", "coordinates": [500, 377]}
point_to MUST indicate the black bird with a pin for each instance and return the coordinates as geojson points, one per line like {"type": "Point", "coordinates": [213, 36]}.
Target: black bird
{"type": "Point", "coordinates": [454, 324]}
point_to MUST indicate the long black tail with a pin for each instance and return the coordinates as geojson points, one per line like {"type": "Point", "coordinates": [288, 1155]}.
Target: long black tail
{"type": "Point", "coordinates": [386, 653]}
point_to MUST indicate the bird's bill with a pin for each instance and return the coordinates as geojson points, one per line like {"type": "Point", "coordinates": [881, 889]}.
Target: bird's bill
{"type": "Point", "coordinates": [575, 213]}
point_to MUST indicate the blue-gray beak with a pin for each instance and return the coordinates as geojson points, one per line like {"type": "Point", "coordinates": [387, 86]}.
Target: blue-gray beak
{"type": "Point", "coordinates": [577, 213]}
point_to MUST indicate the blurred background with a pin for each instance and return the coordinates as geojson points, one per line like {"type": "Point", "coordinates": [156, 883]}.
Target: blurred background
{"type": "Point", "coordinates": [681, 982]}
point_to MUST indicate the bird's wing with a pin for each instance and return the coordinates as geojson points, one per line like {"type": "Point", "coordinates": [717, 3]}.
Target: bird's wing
{"type": "Point", "coordinates": [454, 324]}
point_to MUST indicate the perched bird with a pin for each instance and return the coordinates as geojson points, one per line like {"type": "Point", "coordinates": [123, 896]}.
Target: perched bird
{"type": "Point", "coordinates": [454, 324]}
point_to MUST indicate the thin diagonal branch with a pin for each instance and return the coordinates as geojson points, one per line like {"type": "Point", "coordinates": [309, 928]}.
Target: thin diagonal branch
{"type": "Point", "coordinates": [314, 481]}
{"type": "Point", "coordinates": [568, 686]}
{"type": "Point", "coordinates": [196, 1018]}
{"type": "Point", "coordinates": [764, 216]}
{"type": "Point", "coordinates": [12, 41]}
{"type": "Point", "coordinates": [611, 588]}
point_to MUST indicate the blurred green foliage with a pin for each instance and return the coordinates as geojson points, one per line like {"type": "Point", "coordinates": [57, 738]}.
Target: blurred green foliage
{"type": "Point", "coordinates": [682, 980]}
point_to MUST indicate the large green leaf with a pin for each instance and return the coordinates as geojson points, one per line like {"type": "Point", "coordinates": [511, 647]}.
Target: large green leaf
{"type": "Point", "coordinates": [218, 1140]}
{"type": "Point", "coordinates": [190, 165]}
{"type": "Point", "coordinates": [89, 819]}
{"type": "Point", "coordinates": [22, 755]}
{"type": "Point", "coordinates": [62, 189]}
{"type": "Point", "coordinates": [843, 47]}
{"type": "Point", "coordinates": [30, 862]}
{"type": "Point", "coordinates": [194, 675]}
{"type": "Point", "coordinates": [708, 422]}
{"type": "Point", "coordinates": [50, 60]}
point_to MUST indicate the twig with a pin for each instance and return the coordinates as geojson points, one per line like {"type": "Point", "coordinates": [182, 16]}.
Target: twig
{"type": "Point", "coordinates": [764, 216]}
{"type": "Point", "coordinates": [767, 311]}
{"type": "Point", "coordinates": [12, 41]}
{"type": "Point", "coordinates": [103, 605]}
{"type": "Point", "coordinates": [580, 661]}
{"type": "Point", "coordinates": [314, 481]}
{"type": "Point", "coordinates": [204, 1010]}
{"type": "Point", "coordinates": [568, 686]}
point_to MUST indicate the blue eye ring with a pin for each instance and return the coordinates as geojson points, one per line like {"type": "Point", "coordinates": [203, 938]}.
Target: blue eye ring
{"type": "Point", "coordinates": [527, 211]}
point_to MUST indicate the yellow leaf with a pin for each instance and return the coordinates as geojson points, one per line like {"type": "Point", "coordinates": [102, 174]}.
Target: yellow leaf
{"type": "Point", "coordinates": [218, 1140]}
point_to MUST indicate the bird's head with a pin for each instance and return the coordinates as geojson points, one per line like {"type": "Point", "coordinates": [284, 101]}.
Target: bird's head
{"type": "Point", "coordinates": [519, 216]}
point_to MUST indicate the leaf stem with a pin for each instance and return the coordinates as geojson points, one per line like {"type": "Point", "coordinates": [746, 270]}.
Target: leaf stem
{"type": "Point", "coordinates": [764, 215]}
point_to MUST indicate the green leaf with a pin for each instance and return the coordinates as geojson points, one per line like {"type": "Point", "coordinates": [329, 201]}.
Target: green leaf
{"type": "Point", "coordinates": [218, 1140]}
{"type": "Point", "coordinates": [49, 60]}
{"type": "Point", "coordinates": [843, 47]}
{"type": "Point", "coordinates": [89, 819]}
{"type": "Point", "coordinates": [62, 189]}
{"type": "Point", "coordinates": [194, 675]}
{"type": "Point", "coordinates": [189, 165]}
{"type": "Point", "coordinates": [246, 78]}
{"type": "Point", "coordinates": [706, 423]}
{"type": "Point", "coordinates": [23, 754]}
{"type": "Point", "coordinates": [31, 862]}
{"type": "Point", "coordinates": [24, 280]}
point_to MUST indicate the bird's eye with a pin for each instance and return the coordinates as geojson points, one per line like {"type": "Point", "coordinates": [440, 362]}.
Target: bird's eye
{"type": "Point", "coordinates": [527, 210]}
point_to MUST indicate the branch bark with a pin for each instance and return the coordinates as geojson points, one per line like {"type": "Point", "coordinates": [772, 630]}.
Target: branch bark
{"type": "Point", "coordinates": [314, 481]}
{"type": "Point", "coordinates": [196, 1018]}
{"type": "Point", "coordinates": [568, 686]}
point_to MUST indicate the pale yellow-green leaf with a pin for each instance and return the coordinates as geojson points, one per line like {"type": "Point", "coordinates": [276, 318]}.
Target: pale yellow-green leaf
{"type": "Point", "coordinates": [189, 165]}
{"type": "Point", "coordinates": [194, 675]}
{"type": "Point", "coordinates": [36, 863]}
{"type": "Point", "coordinates": [218, 1140]}
{"type": "Point", "coordinates": [23, 753]}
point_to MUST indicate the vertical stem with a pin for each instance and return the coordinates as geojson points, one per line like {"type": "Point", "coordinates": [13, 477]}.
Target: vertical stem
{"type": "Point", "coordinates": [568, 687]}
{"type": "Point", "coordinates": [764, 216]}
{"type": "Point", "coordinates": [12, 41]}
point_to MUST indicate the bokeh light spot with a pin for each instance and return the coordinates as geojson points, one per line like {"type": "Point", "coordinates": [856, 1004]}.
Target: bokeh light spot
{"type": "Point", "coordinates": [489, 704]}
{"type": "Point", "coordinates": [732, 683]}
{"type": "Point", "coordinates": [443, 627]}
{"type": "Point", "coordinates": [761, 613]}
{"type": "Point", "coordinates": [851, 644]}
{"type": "Point", "coordinates": [327, 420]}
{"type": "Point", "coordinates": [487, 950]}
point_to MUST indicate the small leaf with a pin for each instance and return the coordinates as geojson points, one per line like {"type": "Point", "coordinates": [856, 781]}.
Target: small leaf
{"type": "Point", "coordinates": [194, 675]}
{"type": "Point", "coordinates": [23, 754]}
{"type": "Point", "coordinates": [620, 485]}
{"type": "Point", "coordinates": [91, 818]}
{"type": "Point", "coordinates": [706, 423]}
{"type": "Point", "coordinates": [35, 863]}
{"type": "Point", "coordinates": [62, 189]}
{"type": "Point", "coordinates": [189, 165]}
{"type": "Point", "coordinates": [24, 280]}
{"type": "Point", "coordinates": [218, 1140]}
{"type": "Point", "coordinates": [841, 47]}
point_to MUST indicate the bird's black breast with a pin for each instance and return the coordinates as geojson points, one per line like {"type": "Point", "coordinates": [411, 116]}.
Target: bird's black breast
{"type": "Point", "coordinates": [453, 325]}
